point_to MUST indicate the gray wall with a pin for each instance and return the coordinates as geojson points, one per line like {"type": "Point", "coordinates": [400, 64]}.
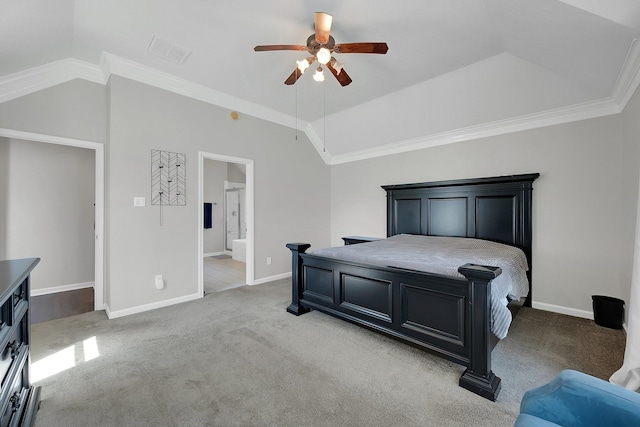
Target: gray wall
{"type": "Point", "coordinates": [234, 174]}
{"type": "Point", "coordinates": [589, 167]}
{"type": "Point", "coordinates": [48, 210]}
{"type": "Point", "coordinates": [291, 197]}
{"type": "Point", "coordinates": [76, 109]}
{"type": "Point", "coordinates": [4, 188]}
{"type": "Point", "coordinates": [584, 201]}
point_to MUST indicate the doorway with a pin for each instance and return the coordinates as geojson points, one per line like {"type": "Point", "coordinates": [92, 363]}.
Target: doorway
{"type": "Point", "coordinates": [98, 284]}
{"type": "Point", "coordinates": [225, 247]}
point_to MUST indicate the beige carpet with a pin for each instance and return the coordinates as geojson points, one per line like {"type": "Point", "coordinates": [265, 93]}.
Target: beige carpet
{"type": "Point", "coordinates": [236, 358]}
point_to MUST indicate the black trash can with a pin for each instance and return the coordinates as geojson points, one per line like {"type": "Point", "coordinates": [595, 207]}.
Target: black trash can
{"type": "Point", "coordinates": [608, 311]}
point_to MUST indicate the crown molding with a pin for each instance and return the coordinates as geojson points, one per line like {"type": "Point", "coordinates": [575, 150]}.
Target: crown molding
{"type": "Point", "coordinates": [45, 76]}
{"type": "Point", "coordinates": [318, 143]}
{"type": "Point", "coordinates": [629, 77]}
{"type": "Point", "coordinates": [587, 110]}
{"type": "Point", "coordinates": [22, 83]}
{"type": "Point", "coordinates": [38, 78]}
{"type": "Point", "coordinates": [626, 85]}
{"type": "Point", "coordinates": [112, 64]}
{"type": "Point", "coordinates": [90, 72]}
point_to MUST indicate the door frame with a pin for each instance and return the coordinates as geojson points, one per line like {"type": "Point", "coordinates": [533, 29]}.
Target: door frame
{"type": "Point", "coordinates": [98, 284]}
{"type": "Point", "coordinates": [249, 271]}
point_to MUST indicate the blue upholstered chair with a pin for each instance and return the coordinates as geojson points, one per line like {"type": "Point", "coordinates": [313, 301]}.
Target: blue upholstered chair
{"type": "Point", "coordinates": [577, 399]}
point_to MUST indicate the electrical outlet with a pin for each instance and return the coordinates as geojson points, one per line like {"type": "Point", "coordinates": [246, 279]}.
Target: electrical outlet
{"type": "Point", "coordinates": [268, 260]}
{"type": "Point", "coordinates": [139, 201]}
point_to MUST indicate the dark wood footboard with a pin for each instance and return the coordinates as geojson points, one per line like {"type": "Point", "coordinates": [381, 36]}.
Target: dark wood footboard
{"type": "Point", "coordinates": [445, 315]}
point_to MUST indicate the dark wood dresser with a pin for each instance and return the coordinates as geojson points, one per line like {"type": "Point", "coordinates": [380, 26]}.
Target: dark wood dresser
{"type": "Point", "coordinates": [19, 401]}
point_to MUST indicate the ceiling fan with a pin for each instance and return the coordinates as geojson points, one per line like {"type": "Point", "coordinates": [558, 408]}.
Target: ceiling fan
{"type": "Point", "coordinates": [321, 46]}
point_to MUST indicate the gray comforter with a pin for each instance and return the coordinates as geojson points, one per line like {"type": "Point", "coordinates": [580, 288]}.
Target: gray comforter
{"type": "Point", "coordinates": [443, 255]}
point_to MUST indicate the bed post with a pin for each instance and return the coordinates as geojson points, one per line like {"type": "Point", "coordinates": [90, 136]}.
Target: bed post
{"type": "Point", "coordinates": [296, 278]}
{"type": "Point", "coordinates": [479, 378]}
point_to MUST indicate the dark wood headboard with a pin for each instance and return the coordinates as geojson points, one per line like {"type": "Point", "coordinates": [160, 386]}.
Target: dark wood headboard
{"type": "Point", "coordinates": [497, 209]}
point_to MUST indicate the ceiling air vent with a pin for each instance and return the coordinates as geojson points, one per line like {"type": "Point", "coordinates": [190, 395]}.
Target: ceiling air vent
{"type": "Point", "coordinates": [168, 50]}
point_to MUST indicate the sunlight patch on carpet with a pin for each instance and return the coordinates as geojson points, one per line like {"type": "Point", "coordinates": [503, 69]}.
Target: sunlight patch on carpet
{"type": "Point", "coordinates": [64, 359]}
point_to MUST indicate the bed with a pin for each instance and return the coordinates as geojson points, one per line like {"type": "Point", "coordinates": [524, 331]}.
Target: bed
{"type": "Point", "coordinates": [443, 312]}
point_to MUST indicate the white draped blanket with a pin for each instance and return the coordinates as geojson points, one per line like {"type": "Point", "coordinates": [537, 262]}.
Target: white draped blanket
{"type": "Point", "coordinates": [443, 255]}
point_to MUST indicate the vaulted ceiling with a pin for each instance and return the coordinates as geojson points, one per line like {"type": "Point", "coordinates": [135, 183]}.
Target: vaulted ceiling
{"type": "Point", "coordinates": [455, 69]}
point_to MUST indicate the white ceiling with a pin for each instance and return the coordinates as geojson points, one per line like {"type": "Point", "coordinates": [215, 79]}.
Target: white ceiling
{"type": "Point", "coordinates": [456, 69]}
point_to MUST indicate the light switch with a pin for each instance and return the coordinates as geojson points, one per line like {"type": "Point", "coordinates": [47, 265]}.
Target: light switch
{"type": "Point", "coordinates": [139, 201]}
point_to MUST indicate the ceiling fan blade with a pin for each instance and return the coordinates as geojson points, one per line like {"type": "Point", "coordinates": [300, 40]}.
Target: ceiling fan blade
{"type": "Point", "coordinates": [279, 47]}
{"type": "Point", "coordinates": [342, 76]}
{"type": "Point", "coordinates": [361, 48]}
{"type": "Point", "coordinates": [293, 77]}
{"type": "Point", "coordinates": [322, 22]}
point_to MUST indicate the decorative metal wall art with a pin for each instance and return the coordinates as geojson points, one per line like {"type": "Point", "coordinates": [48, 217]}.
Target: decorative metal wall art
{"type": "Point", "coordinates": [168, 178]}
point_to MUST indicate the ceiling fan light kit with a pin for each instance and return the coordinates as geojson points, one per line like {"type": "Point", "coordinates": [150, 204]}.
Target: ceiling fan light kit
{"type": "Point", "coordinates": [319, 75]}
{"type": "Point", "coordinates": [321, 46]}
{"type": "Point", "coordinates": [323, 55]}
{"type": "Point", "coordinates": [336, 65]}
{"type": "Point", "coordinates": [303, 64]}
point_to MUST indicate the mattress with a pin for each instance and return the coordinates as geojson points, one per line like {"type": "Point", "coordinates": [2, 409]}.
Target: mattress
{"type": "Point", "coordinates": [443, 255]}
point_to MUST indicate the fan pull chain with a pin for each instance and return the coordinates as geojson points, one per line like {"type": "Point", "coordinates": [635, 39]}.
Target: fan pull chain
{"type": "Point", "coordinates": [296, 106]}
{"type": "Point", "coordinates": [324, 118]}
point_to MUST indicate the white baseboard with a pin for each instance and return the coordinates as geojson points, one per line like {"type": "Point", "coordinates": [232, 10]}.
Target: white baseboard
{"type": "Point", "coordinates": [585, 314]}
{"type": "Point", "coordinates": [63, 288]}
{"type": "Point", "coordinates": [271, 278]}
{"type": "Point", "coordinates": [151, 306]}
{"type": "Point", "coordinates": [213, 254]}
{"type": "Point", "coordinates": [142, 308]}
